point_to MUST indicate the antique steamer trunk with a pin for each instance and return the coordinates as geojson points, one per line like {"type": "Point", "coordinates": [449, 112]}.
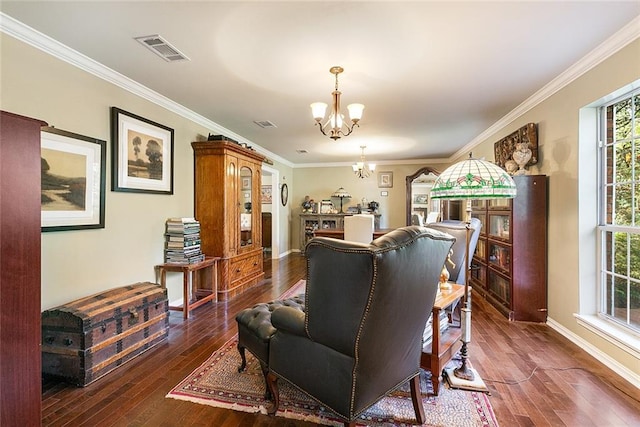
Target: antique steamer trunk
{"type": "Point", "coordinates": [87, 338]}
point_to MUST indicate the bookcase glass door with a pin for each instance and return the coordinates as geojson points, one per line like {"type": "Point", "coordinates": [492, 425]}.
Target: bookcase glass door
{"type": "Point", "coordinates": [246, 232]}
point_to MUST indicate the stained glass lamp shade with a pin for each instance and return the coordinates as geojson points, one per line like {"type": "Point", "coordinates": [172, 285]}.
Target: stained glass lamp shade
{"type": "Point", "coordinates": [473, 179]}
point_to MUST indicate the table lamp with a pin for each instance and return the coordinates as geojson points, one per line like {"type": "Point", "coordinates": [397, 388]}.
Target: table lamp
{"type": "Point", "coordinates": [341, 193]}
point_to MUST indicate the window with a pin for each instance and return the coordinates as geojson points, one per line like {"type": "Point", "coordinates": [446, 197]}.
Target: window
{"type": "Point", "coordinates": [619, 272]}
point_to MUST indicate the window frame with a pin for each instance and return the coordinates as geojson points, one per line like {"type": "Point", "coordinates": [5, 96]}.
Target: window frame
{"type": "Point", "coordinates": [603, 227]}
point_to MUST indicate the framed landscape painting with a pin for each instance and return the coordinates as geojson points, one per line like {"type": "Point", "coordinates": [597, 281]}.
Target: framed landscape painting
{"type": "Point", "coordinates": [73, 173]}
{"type": "Point", "coordinates": [142, 154]}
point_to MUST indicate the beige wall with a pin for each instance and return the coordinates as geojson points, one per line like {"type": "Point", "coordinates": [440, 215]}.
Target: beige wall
{"type": "Point", "coordinates": [79, 263]}
{"type": "Point", "coordinates": [320, 183]}
{"type": "Point", "coordinates": [84, 262]}
{"type": "Point", "coordinates": [558, 132]}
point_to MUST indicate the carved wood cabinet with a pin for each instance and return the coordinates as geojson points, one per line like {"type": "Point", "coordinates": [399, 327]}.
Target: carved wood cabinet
{"type": "Point", "coordinates": [227, 204]}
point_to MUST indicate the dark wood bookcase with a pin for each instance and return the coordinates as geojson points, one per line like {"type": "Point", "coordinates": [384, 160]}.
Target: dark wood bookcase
{"type": "Point", "coordinates": [509, 267]}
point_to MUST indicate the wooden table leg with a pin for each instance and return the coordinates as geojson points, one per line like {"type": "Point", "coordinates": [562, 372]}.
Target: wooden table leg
{"type": "Point", "coordinates": [185, 288]}
{"type": "Point", "coordinates": [435, 352]}
{"type": "Point", "coordinates": [193, 276]}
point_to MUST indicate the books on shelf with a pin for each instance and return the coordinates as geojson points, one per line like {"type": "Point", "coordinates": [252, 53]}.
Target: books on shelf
{"type": "Point", "coordinates": [182, 241]}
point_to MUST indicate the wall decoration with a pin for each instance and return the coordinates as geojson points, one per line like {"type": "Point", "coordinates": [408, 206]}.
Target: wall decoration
{"type": "Point", "coordinates": [284, 194]}
{"type": "Point", "coordinates": [525, 137]}
{"type": "Point", "coordinates": [142, 154]}
{"type": "Point", "coordinates": [385, 179]}
{"type": "Point", "coordinates": [72, 180]}
{"type": "Point", "coordinates": [265, 194]}
{"type": "Point", "coordinates": [420, 199]}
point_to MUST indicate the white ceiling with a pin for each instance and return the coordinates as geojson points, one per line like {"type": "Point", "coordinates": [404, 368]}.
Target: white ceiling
{"type": "Point", "coordinates": [433, 75]}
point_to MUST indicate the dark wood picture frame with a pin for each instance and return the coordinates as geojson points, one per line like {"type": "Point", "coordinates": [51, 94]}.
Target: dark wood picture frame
{"type": "Point", "coordinates": [73, 180]}
{"type": "Point", "coordinates": [142, 154]}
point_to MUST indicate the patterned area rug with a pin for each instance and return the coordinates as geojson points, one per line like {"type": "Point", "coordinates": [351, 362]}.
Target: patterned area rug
{"type": "Point", "coordinates": [218, 383]}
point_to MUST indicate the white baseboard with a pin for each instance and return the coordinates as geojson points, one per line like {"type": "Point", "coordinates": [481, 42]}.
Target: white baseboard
{"type": "Point", "coordinates": [604, 358]}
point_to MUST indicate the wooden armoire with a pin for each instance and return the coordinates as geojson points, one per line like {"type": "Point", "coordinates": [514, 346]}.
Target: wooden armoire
{"type": "Point", "coordinates": [20, 357]}
{"type": "Point", "coordinates": [228, 178]}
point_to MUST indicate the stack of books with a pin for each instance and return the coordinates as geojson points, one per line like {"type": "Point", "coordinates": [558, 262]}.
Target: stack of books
{"type": "Point", "coordinates": [427, 336]}
{"type": "Point", "coordinates": [182, 241]}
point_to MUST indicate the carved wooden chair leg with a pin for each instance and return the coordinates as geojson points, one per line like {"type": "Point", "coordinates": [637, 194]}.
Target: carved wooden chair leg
{"type": "Point", "coordinates": [416, 399]}
{"type": "Point", "coordinates": [272, 385]}
{"type": "Point", "coordinates": [243, 365]}
{"type": "Point", "coordinates": [265, 372]}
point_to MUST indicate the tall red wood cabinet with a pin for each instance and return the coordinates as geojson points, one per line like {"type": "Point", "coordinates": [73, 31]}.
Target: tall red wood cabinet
{"type": "Point", "coordinates": [20, 357]}
{"type": "Point", "coordinates": [510, 263]}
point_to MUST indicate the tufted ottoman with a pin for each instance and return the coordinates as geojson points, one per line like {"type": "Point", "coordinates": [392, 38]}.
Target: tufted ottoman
{"type": "Point", "coordinates": [255, 331]}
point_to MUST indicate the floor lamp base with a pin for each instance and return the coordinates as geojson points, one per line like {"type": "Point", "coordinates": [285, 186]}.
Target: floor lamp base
{"type": "Point", "coordinates": [477, 384]}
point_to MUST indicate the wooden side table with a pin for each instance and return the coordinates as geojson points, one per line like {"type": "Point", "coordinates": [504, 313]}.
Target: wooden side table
{"type": "Point", "coordinates": [443, 345]}
{"type": "Point", "coordinates": [192, 280]}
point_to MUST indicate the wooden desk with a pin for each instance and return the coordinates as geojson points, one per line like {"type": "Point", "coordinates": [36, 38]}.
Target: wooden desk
{"type": "Point", "coordinates": [443, 346]}
{"type": "Point", "coordinates": [338, 233]}
{"type": "Point", "coordinates": [194, 276]}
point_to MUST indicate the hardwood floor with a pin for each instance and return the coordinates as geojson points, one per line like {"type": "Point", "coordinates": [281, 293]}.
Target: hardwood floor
{"type": "Point", "coordinates": [567, 387]}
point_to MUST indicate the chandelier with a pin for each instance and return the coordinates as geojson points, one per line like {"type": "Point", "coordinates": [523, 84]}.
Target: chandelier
{"type": "Point", "coordinates": [336, 125]}
{"type": "Point", "coordinates": [361, 169]}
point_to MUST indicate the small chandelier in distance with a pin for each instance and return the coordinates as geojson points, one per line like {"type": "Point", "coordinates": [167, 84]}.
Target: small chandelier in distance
{"type": "Point", "coordinates": [336, 126]}
{"type": "Point", "coordinates": [361, 169]}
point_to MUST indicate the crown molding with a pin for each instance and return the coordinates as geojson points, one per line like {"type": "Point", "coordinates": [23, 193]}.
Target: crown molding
{"type": "Point", "coordinates": [32, 37]}
{"type": "Point", "coordinates": [613, 44]}
{"type": "Point", "coordinates": [22, 32]}
{"type": "Point", "coordinates": [377, 162]}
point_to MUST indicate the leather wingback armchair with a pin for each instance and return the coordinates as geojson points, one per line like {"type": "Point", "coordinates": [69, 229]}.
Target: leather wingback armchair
{"type": "Point", "coordinates": [458, 229]}
{"type": "Point", "coordinates": [366, 307]}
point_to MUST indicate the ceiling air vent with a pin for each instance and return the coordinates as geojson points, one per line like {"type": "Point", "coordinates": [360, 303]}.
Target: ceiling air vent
{"type": "Point", "coordinates": [162, 48]}
{"type": "Point", "coordinates": [265, 124]}
{"type": "Point", "coordinates": [301, 151]}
